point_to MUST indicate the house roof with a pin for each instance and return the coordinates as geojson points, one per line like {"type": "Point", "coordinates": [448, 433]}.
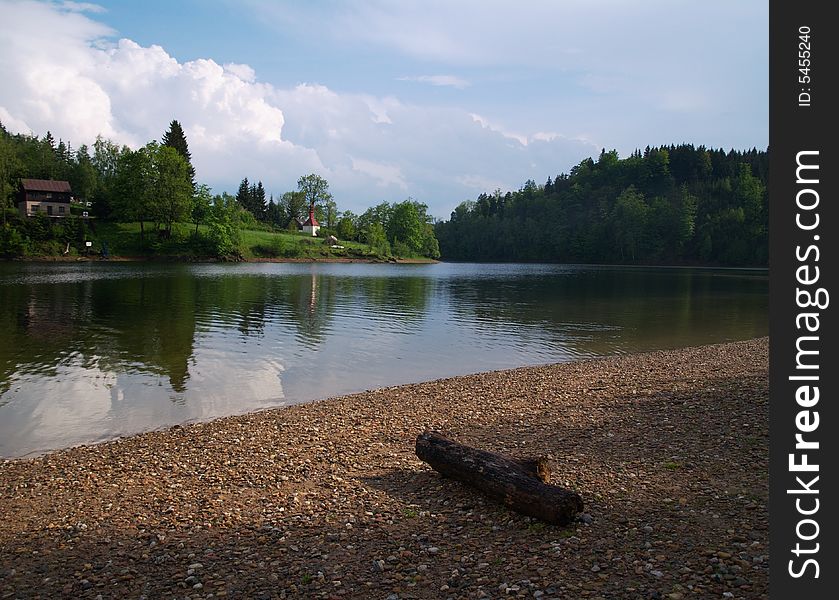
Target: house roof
{"type": "Point", "coordinates": [311, 220]}
{"type": "Point", "coordinates": [45, 185]}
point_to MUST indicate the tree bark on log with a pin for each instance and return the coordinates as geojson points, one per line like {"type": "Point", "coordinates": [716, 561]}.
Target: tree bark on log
{"type": "Point", "coordinates": [516, 483]}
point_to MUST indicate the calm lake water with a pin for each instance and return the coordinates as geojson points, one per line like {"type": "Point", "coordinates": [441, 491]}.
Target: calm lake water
{"type": "Point", "coordinates": [92, 351]}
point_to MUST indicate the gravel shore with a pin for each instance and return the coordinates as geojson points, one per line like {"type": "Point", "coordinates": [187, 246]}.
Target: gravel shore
{"type": "Point", "coordinates": [669, 451]}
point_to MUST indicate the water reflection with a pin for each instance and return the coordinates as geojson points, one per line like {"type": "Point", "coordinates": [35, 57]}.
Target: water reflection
{"type": "Point", "coordinates": [97, 350]}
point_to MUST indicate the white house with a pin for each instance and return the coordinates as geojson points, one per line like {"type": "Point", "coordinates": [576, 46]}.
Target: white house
{"type": "Point", "coordinates": [311, 225]}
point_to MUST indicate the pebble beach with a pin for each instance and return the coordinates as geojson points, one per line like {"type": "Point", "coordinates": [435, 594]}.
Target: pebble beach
{"type": "Point", "coordinates": [669, 451]}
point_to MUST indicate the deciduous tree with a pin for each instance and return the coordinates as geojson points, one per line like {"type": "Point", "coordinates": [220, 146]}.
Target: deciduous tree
{"type": "Point", "coordinates": [315, 190]}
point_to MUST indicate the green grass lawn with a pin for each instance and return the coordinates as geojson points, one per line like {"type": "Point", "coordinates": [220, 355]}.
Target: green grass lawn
{"type": "Point", "coordinates": [123, 239]}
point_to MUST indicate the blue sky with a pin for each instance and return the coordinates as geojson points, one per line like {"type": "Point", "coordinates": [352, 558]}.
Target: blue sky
{"type": "Point", "coordinates": [434, 100]}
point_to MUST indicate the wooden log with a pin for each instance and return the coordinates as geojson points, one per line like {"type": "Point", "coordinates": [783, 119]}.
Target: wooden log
{"type": "Point", "coordinates": [500, 478]}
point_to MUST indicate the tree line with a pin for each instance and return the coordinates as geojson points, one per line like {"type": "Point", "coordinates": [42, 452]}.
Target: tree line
{"type": "Point", "coordinates": [155, 186]}
{"type": "Point", "coordinates": [401, 228]}
{"type": "Point", "coordinates": [666, 205]}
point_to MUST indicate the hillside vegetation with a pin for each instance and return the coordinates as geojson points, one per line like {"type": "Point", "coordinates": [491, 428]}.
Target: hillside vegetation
{"type": "Point", "coordinates": [146, 202]}
{"type": "Point", "coordinates": [667, 205]}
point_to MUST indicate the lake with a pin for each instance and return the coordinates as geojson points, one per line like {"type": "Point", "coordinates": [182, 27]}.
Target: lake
{"type": "Point", "coordinates": [91, 351]}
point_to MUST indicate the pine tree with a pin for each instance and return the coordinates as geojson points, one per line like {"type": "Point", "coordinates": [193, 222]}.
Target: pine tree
{"type": "Point", "coordinates": [175, 138]}
{"type": "Point", "coordinates": [251, 205]}
{"type": "Point", "coordinates": [243, 195]}
{"type": "Point", "coordinates": [259, 205]}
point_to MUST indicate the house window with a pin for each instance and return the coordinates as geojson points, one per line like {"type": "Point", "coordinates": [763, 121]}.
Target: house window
{"type": "Point", "coordinates": [35, 208]}
{"type": "Point", "coordinates": [61, 210]}
{"type": "Point", "coordinates": [49, 209]}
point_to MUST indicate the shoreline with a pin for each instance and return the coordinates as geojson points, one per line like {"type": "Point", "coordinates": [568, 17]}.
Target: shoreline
{"type": "Point", "coordinates": [199, 260]}
{"type": "Point", "coordinates": [327, 499]}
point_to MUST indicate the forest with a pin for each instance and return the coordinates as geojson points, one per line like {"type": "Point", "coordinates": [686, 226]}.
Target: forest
{"type": "Point", "coordinates": [672, 205]}
{"type": "Point", "coordinates": [667, 205]}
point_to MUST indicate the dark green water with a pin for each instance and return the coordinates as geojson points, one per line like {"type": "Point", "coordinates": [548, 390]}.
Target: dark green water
{"type": "Point", "coordinates": [96, 350]}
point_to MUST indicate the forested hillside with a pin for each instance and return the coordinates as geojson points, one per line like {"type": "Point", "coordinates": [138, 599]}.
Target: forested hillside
{"type": "Point", "coordinates": [665, 205]}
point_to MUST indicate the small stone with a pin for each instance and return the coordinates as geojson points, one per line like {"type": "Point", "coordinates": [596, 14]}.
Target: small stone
{"type": "Point", "coordinates": [433, 550]}
{"type": "Point", "coordinates": [586, 518]}
{"type": "Point", "coordinates": [648, 529]}
{"type": "Point", "coordinates": [196, 566]}
{"type": "Point", "coordinates": [657, 573]}
{"type": "Point", "coordinates": [595, 568]}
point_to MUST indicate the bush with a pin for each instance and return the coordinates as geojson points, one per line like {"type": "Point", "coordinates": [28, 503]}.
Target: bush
{"type": "Point", "coordinates": [345, 229]}
{"type": "Point", "coordinates": [276, 248]}
{"type": "Point", "coordinates": [12, 243]}
{"type": "Point", "coordinates": [247, 220]}
{"type": "Point", "coordinates": [223, 238]}
{"type": "Point", "coordinates": [37, 227]}
{"type": "Point", "coordinates": [401, 249]}
{"type": "Point", "coordinates": [377, 239]}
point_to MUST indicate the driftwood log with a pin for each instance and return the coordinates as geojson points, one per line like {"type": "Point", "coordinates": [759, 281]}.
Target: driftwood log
{"type": "Point", "coordinates": [519, 484]}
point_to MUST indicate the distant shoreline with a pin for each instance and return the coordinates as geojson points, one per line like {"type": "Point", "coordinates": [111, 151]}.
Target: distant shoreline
{"type": "Point", "coordinates": [406, 261]}
{"type": "Point", "coordinates": [191, 259]}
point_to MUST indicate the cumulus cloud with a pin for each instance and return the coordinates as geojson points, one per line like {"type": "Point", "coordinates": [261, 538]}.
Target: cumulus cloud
{"type": "Point", "coordinates": [383, 174]}
{"type": "Point", "coordinates": [79, 82]}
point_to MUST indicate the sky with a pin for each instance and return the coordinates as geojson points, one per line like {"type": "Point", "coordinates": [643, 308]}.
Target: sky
{"type": "Point", "coordinates": [434, 100]}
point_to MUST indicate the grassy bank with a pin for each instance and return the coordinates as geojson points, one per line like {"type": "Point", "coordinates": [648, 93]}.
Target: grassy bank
{"type": "Point", "coordinates": [61, 240]}
{"type": "Point", "coordinates": [124, 239]}
{"type": "Point", "coordinates": [329, 500]}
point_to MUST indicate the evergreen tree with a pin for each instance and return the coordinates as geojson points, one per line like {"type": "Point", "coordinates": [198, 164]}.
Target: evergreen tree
{"type": "Point", "coordinates": [175, 138]}
{"type": "Point", "coordinates": [251, 205]}
{"type": "Point", "coordinates": [244, 194]}
{"type": "Point", "coordinates": [274, 213]}
{"type": "Point", "coordinates": [260, 207]}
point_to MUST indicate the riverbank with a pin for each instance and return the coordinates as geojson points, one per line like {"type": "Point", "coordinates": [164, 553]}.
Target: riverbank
{"type": "Point", "coordinates": [669, 451]}
{"type": "Point", "coordinates": [198, 259]}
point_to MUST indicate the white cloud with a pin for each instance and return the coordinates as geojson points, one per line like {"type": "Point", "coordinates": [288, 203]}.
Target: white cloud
{"type": "Point", "coordinates": [79, 83]}
{"type": "Point", "coordinates": [606, 67]}
{"type": "Point", "coordinates": [243, 72]}
{"type": "Point", "coordinates": [384, 174]}
{"type": "Point", "coordinates": [439, 80]}
{"type": "Point", "coordinates": [82, 7]}
{"type": "Point", "coordinates": [486, 124]}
